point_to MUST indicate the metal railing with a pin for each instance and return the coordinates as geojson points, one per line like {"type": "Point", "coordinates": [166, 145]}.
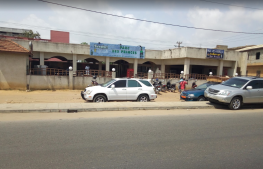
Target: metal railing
{"type": "Point", "coordinates": [141, 75]}
{"type": "Point", "coordinates": [48, 72]}
{"type": "Point", "coordinates": [90, 73]}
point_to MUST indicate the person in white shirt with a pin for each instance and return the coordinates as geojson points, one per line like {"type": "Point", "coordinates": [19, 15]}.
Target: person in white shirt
{"type": "Point", "coordinates": [87, 70]}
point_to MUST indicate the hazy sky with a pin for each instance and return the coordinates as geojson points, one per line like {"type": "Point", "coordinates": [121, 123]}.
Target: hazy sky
{"type": "Point", "coordinates": [89, 27]}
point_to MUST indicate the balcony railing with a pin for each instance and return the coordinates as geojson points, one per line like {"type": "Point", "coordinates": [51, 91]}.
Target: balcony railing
{"type": "Point", "coordinates": [90, 73]}
{"type": "Point", "coordinates": [48, 72]}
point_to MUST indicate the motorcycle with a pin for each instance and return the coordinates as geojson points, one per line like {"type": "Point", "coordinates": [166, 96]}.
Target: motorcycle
{"type": "Point", "coordinates": [171, 87]}
{"type": "Point", "coordinates": [156, 86]}
{"type": "Point", "coordinates": [94, 81]}
{"type": "Point", "coordinates": [163, 87]}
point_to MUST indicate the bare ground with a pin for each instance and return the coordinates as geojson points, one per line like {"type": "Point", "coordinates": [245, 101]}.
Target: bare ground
{"type": "Point", "coordinates": [62, 96]}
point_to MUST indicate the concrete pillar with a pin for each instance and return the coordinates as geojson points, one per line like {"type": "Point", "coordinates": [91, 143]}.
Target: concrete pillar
{"type": "Point", "coordinates": [70, 80]}
{"type": "Point", "coordinates": [100, 66]}
{"type": "Point", "coordinates": [75, 63]}
{"type": "Point", "coordinates": [233, 69]}
{"type": "Point", "coordinates": [41, 59]}
{"type": "Point", "coordinates": [186, 66]}
{"type": "Point", "coordinates": [220, 68]}
{"type": "Point", "coordinates": [162, 67]}
{"type": "Point", "coordinates": [107, 64]}
{"type": "Point", "coordinates": [113, 75]}
{"type": "Point", "coordinates": [135, 67]}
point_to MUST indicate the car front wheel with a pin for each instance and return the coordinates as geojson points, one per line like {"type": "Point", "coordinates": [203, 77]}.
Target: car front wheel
{"type": "Point", "coordinates": [235, 103]}
{"type": "Point", "coordinates": [99, 99]}
{"type": "Point", "coordinates": [201, 98]}
{"type": "Point", "coordinates": [143, 98]}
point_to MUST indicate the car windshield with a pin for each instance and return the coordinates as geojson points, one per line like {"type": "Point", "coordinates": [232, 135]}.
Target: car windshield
{"type": "Point", "coordinates": [203, 86]}
{"type": "Point", "coordinates": [107, 83]}
{"type": "Point", "coordinates": [235, 82]}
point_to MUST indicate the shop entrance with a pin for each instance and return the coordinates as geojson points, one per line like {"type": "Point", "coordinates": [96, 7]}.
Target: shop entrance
{"type": "Point", "coordinates": [121, 67]}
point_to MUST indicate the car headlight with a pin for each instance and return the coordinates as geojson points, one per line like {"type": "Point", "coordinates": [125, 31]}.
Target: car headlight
{"type": "Point", "coordinates": [191, 95]}
{"type": "Point", "coordinates": [224, 93]}
{"type": "Point", "coordinates": [88, 91]}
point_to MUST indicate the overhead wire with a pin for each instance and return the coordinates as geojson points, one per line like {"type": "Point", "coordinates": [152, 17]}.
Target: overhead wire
{"type": "Point", "coordinates": [88, 34]}
{"type": "Point", "coordinates": [231, 5]}
{"type": "Point", "coordinates": [168, 24]}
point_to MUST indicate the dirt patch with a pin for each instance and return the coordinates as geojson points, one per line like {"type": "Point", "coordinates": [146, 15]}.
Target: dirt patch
{"type": "Point", "coordinates": [63, 96]}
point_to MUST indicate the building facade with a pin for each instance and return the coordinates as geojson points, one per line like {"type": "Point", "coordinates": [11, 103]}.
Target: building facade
{"type": "Point", "coordinates": [187, 59]}
{"type": "Point", "coordinates": [254, 60]}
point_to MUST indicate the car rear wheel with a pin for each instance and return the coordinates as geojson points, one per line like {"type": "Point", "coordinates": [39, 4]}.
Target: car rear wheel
{"type": "Point", "coordinates": [201, 98]}
{"type": "Point", "coordinates": [143, 98]}
{"type": "Point", "coordinates": [235, 103]}
{"type": "Point", "coordinates": [99, 99]}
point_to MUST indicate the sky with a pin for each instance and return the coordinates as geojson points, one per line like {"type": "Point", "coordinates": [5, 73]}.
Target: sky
{"type": "Point", "coordinates": [85, 26]}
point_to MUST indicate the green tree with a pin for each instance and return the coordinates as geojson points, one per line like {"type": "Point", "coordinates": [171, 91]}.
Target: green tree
{"type": "Point", "coordinates": [84, 43]}
{"type": "Point", "coordinates": [31, 34]}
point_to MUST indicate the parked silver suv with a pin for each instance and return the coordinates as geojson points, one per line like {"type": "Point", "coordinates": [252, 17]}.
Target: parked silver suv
{"type": "Point", "coordinates": [120, 89]}
{"type": "Point", "coordinates": [236, 91]}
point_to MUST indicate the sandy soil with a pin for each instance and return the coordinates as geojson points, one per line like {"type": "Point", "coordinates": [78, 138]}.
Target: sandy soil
{"type": "Point", "coordinates": [62, 96]}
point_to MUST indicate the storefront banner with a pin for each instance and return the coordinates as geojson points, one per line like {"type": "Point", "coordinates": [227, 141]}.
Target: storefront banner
{"type": "Point", "coordinates": [117, 50]}
{"type": "Point", "coordinates": [215, 53]}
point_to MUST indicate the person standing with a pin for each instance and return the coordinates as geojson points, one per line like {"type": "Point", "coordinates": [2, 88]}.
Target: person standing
{"type": "Point", "coordinates": [179, 87]}
{"type": "Point", "coordinates": [87, 69]}
{"type": "Point", "coordinates": [182, 84]}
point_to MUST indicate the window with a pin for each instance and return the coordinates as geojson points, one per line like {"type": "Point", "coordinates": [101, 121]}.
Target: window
{"type": "Point", "coordinates": [258, 55]}
{"type": "Point", "coordinates": [133, 83]}
{"type": "Point", "coordinates": [247, 56]}
{"type": "Point", "coordinates": [235, 82]}
{"type": "Point", "coordinates": [255, 84]}
{"type": "Point", "coordinates": [120, 84]}
{"type": "Point", "coordinates": [146, 83]}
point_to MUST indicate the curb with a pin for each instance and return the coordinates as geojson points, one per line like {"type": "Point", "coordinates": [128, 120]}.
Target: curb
{"type": "Point", "coordinates": [75, 110]}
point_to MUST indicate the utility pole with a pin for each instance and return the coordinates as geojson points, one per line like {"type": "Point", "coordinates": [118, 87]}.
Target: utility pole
{"type": "Point", "coordinates": [179, 43]}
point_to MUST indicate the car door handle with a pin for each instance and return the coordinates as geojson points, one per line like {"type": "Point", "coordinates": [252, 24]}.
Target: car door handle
{"type": "Point", "coordinates": [123, 89]}
{"type": "Point", "coordinates": [139, 89]}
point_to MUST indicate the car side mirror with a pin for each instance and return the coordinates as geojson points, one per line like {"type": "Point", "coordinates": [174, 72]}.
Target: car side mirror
{"type": "Point", "coordinates": [112, 86]}
{"type": "Point", "coordinates": [249, 87]}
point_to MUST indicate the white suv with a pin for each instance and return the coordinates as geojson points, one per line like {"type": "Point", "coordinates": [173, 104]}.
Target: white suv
{"type": "Point", "coordinates": [120, 89]}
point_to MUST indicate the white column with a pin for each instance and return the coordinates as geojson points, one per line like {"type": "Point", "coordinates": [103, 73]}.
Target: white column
{"type": "Point", "coordinates": [70, 80]}
{"type": "Point", "coordinates": [113, 75]}
{"type": "Point", "coordinates": [186, 66]}
{"type": "Point", "coordinates": [41, 59]}
{"type": "Point", "coordinates": [75, 63]}
{"type": "Point", "coordinates": [162, 67]}
{"type": "Point", "coordinates": [107, 64]}
{"type": "Point", "coordinates": [220, 68]}
{"type": "Point", "coordinates": [135, 67]}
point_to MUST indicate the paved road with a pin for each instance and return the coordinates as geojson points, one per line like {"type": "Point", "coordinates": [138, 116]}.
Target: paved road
{"type": "Point", "coordinates": [222, 139]}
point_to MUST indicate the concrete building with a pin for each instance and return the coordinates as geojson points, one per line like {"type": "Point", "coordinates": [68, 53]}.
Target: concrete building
{"type": "Point", "coordinates": [254, 60]}
{"type": "Point", "coordinates": [58, 54]}
{"type": "Point", "coordinates": [187, 59]}
{"type": "Point", "coordinates": [12, 31]}
{"type": "Point", "coordinates": [13, 61]}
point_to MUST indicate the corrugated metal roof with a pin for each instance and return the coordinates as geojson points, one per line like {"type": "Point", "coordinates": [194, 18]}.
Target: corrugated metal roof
{"type": "Point", "coordinates": [250, 48]}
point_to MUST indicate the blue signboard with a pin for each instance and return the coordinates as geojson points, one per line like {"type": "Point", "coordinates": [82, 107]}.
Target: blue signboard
{"type": "Point", "coordinates": [117, 50]}
{"type": "Point", "coordinates": [215, 53]}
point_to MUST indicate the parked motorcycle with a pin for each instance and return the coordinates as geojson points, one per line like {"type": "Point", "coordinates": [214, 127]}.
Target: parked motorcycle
{"type": "Point", "coordinates": [156, 86]}
{"type": "Point", "coordinates": [170, 87]}
{"type": "Point", "coordinates": [162, 86]}
{"type": "Point", "coordinates": [94, 81]}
